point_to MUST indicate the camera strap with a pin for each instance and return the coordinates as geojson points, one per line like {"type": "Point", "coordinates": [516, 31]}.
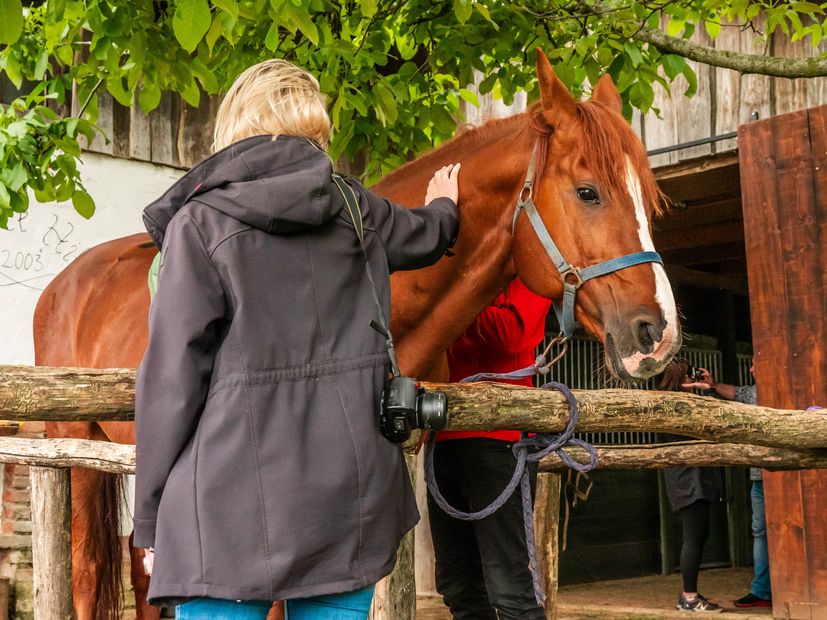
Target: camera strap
{"type": "Point", "coordinates": [381, 323]}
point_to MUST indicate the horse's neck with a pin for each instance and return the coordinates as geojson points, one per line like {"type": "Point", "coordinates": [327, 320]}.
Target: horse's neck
{"type": "Point", "coordinates": [432, 307]}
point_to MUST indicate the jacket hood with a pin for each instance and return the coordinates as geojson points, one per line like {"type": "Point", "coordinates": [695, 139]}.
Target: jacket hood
{"type": "Point", "coordinates": [280, 186]}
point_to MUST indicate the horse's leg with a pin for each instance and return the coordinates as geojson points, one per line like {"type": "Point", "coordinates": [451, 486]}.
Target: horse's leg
{"type": "Point", "coordinates": [140, 585]}
{"type": "Point", "coordinates": [276, 611]}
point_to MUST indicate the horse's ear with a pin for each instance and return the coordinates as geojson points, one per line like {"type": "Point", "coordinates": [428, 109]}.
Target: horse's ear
{"type": "Point", "coordinates": [606, 93]}
{"type": "Point", "coordinates": [556, 98]}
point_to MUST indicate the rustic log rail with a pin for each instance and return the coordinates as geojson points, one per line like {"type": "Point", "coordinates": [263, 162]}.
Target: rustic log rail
{"type": "Point", "coordinates": [41, 393]}
{"type": "Point", "coordinates": [773, 438]}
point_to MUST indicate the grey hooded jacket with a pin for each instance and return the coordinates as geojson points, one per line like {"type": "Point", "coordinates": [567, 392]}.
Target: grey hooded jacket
{"type": "Point", "coordinates": [261, 472]}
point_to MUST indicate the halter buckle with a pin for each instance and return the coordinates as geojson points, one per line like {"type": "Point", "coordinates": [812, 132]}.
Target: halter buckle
{"type": "Point", "coordinates": [574, 272]}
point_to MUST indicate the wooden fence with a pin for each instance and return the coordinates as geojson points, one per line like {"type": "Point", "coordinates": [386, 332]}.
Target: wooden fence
{"type": "Point", "coordinates": [750, 435]}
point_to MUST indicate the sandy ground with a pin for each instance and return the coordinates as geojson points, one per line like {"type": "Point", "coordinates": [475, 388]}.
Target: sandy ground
{"type": "Point", "coordinates": [644, 598]}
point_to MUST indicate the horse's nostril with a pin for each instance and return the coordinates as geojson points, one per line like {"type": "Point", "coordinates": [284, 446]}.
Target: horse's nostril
{"type": "Point", "coordinates": [646, 335]}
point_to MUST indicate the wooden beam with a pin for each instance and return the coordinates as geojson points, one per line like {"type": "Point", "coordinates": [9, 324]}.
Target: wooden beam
{"type": "Point", "coordinates": [113, 458]}
{"type": "Point", "coordinates": [45, 393]}
{"type": "Point", "coordinates": [488, 406]}
{"type": "Point", "coordinates": [704, 255]}
{"type": "Point", "coordinates": [701, 279]}
{"type": "Point", "coordinates": [692, 454]}
{"type": "Point", "coordinates": [720, 233]}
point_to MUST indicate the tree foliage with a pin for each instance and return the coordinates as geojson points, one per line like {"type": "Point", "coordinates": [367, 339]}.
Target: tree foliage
{"type": "Point", "coordinates": [394, 71]}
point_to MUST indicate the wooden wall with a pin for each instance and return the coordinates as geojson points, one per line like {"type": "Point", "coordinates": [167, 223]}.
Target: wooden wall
{"type": "Point", "coordinates": [725, 98]}
{"type": "Point", "coordinates": [783, 164]}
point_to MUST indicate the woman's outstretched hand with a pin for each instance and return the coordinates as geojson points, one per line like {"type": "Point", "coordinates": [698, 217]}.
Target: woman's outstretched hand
{"type": "Point", "coordinates": [444, 184]}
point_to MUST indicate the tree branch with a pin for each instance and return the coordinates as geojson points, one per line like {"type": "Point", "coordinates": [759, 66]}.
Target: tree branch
{"type": "Point", "coordinates": [725, 59]}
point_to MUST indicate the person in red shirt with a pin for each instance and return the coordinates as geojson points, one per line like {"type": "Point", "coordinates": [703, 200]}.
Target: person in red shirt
{"type": "Point", "coordinates": [482, 566]}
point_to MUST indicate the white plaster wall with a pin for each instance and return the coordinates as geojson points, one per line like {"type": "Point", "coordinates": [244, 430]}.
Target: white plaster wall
{"type": "Point", "coordinates": [42, 242]}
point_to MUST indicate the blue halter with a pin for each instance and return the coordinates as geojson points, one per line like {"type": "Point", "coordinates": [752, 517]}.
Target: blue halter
{"type": "Point", "coordinates": [573, 277]}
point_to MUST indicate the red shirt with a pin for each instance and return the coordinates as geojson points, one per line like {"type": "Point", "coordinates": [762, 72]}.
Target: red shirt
{"type": "Point", "coordinates": [501, 339]}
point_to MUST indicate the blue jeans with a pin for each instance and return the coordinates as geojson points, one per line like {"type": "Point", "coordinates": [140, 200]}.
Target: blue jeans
{"type": "Point", "coordinates": [221, 609]}
{"type": "Point", "coordinates": [346, 606]}
{"type": "Point", "coordinates": [760, 552]}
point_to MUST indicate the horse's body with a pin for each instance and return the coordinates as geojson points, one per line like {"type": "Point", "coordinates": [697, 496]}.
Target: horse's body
{"type": "Point", "coordinates": [94, 314]}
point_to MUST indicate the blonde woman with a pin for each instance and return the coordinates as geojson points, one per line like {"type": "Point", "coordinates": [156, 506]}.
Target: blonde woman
{"type": "Point", "coordinates": [261, 471]}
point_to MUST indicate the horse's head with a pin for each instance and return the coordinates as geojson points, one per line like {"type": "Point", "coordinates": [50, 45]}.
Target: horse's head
{"type": "Point", "coordinates": [595, 193]}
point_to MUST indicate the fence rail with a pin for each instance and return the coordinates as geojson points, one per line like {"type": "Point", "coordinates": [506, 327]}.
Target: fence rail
{"type": "Point", "coordinates": [772, 438]}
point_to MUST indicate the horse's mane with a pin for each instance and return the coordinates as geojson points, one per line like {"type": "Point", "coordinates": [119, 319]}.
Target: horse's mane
{"type": "Point", "coordinates": [467, 141]}
{"type": "Point", "coordinates": [605, 135]}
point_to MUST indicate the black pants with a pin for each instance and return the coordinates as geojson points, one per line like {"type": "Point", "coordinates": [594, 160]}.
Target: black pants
{"type": "Point", "coordinates": [695, 522]}
{"type": "Point", "coordinates": [481, 566]}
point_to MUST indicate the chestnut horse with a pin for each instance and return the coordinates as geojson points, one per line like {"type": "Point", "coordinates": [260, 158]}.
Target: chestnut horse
{"type": "Point", "coordinates": [593, 189]}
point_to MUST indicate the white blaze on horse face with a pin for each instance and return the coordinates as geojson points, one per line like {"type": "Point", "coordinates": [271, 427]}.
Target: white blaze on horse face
{"type": "Point", "coordinates": [663, 291]}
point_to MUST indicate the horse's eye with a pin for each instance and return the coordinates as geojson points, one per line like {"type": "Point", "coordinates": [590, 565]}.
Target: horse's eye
{"type": "Point", "coordinates": [588, 194]}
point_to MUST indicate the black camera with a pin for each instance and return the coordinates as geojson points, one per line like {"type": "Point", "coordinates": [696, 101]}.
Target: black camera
{"type": "Point", "coordinates": [695, 375]}
{"type": "Point", "coordinates": [406, 405]}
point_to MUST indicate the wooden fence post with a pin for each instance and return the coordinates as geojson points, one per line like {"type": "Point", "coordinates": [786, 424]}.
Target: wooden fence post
{"type": "Point", "coordinates": [546, 536]}
{"type": "Point", "coordinates": [52, 543]}
{"type": "Point", "coordinates": [395, 595]}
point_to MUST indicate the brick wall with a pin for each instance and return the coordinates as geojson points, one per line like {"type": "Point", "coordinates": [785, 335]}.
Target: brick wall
{"type": "Point", "coordinates": [16, 527]}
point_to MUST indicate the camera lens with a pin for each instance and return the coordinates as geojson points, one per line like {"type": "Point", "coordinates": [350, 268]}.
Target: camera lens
{"type": "Point", "coordinates": [432, 411]}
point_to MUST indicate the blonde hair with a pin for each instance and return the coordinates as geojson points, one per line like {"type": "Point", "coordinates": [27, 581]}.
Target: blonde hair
{"type": "Point", "coordinates": [274, 97]}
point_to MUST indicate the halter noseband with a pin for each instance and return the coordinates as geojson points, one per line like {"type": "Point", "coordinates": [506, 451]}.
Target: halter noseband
{"type": "Point", "coordinates": [573, 277]}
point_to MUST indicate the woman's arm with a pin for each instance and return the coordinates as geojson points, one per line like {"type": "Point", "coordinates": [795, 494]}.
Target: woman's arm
{"type": "Point", "coordinates": [415, 238]}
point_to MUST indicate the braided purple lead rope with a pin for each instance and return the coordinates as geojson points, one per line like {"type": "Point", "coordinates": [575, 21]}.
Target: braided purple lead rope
{"type": "Point", "coordinates": [544, 444]}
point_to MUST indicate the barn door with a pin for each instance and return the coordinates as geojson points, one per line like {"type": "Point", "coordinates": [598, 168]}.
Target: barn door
{"type": "Point", "coordinates": [783, 162]}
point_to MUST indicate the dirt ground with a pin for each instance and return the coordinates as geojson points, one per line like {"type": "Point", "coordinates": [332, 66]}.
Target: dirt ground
{"type": "Point", "coordinates": [644, 598]}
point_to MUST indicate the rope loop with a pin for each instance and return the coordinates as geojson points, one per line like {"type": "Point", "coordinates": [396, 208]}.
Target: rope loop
{"type": "Point", "coordinates": [531, 448]}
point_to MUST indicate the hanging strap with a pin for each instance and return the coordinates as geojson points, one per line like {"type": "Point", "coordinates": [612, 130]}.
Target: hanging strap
{"type": "Point", "coordinates": [381, 323]}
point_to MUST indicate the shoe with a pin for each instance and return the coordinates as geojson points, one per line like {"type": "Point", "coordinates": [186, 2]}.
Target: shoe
{"type": "Point", "coordinates": [699, 603]}
{"type": "Point", "coordinates": [750, 600]}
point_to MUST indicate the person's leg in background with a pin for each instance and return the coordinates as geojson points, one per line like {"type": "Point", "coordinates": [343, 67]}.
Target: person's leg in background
{"type": "Point", "coordinates": [220, 609]}
{"type": "Point", "coordinates": [345, 606]}
{"type": "Point", "coordinates": [459, 576]}
{"type": "Point", "coordinates": [761, 582]}
{"type": "Point", "coordinates": [695, 523]}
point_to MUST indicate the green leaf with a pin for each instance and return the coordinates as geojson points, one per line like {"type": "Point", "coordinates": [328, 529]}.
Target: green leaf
{"type": "Point", "coordinates": [713, 27]}
{"type": "Point", "coordinates": [41, 65]}
{"type": "Point", "coordinates": [463, 10]}
{"type": "Point", "coordinates": [191, 94]}
{"type": "Point", "coordinates": [149, 96]}
{"type": "Point", "coordinates": [11, 21]}
{"type": "Point", "coordinates": [386, 101]}
{"type": "Point", "coordinates": [483, 10]}
{"type": "Point", "coordinates": [19, 201]}
{"type": "Point", "coordinates": [306, 25]}
{"type": "Point", "coordinates": [673, 65]}
{"type": "Point", "coordinates": [634, 53]}
{"type": "Point", "coordinates": [115, 86]}
{"type": "Point", "coordinates": [14, 177]}
{"type": "Point", "coordinates": [271, 40]}
{"type": "Point", "coordinates": [674, 26]}
{"type": "Point", "coordinates": [191, 22]}
{"type": "Point", "coordinates": [368, 8]}
{"type": "Point", "coordinates": [691, 79]}
{"type": "Point", "coordinates": [228, 6]}
{"type": "Point", "coordinates": [83, 203]}
{"type": "Point", "coordinates": [5, 198]}
{"type": "Point", "coordinates": [469, 96]}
